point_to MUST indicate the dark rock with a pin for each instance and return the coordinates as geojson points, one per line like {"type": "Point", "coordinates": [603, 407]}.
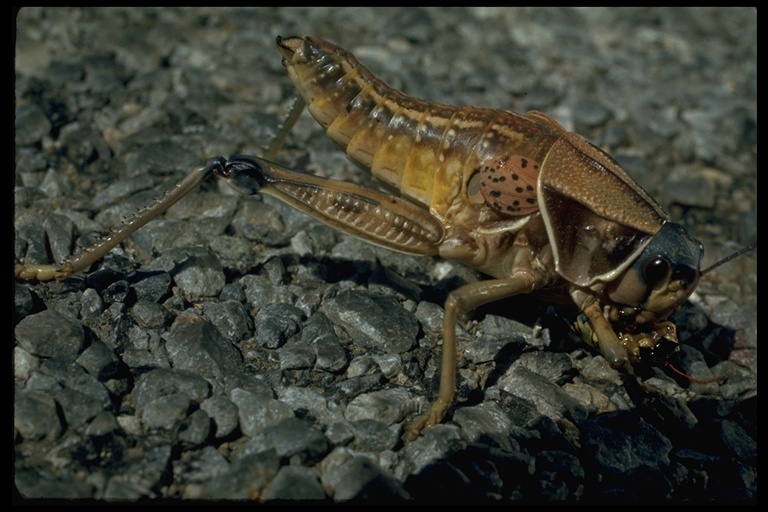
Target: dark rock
{"type": "Point", "coordinates": [230, 318]}
{"type": "Point", "coordinates": [360, 479]}
{"type": "Point", "coordinates": [256, 412]}
{"type": "Point", "coordinates": [624, 456]}
{"type": "Point", "coordinates": [35, 415]}
{"type": "Point", "coordinates": [31, 125]}
{"type": "Point", "coordinates": [153, 386]}
{"type": "Point", "coordinates": [295, 483]}
{"type": "Point", "coordinates": [246, 478]}
{"type": "Point", "coordinates": [329, 354]}
{"type": "Point", "coordinates": [223, 413]}
{"type": "Point", "coordinates": [374, 321]}
{"type": "Point", "coordinates": [99, 360]}
{"type": "Point", "coordinates": [373, 435]}
{"type": "Point", "coordinates": [276, 323]}
{"type": "Point", "coordinates": [50, 334]}
{"type": "Point", "coordinates": [388, 405]}
{"type": "Point", "coordinates": [290, 438]}
{"type": "Point", "coordinates": [199, 346]}
{"type": "Point", "coordinates": [549, 399]}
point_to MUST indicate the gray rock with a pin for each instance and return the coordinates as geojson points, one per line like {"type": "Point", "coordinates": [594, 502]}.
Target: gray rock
{"type": "Point", "coordinates": [166, 412]}
{"type": "Point", "coordinates": [432, 445]}
{"type": "Point", "coordinates": [32, 484]}
{"type": "Point", "coordinates": [70, 375]}
{"type": "Point", "coordinates": [257, 412]}
{"type": "Point", "coordinates": [202, 467]}
{"type": "Point", "coordinates": [22, 302]}
{"type": "Point", "coordinates": [329, 354]}
{"type": "Point", "coordinates": [483, 422]}
{"type": "Point", "coordinates": [373, 435]}
{"type": "Point", "coordinates": [340, 433]}
{"type": "Point", "coordinates": [296, 356]}
{"type": "Point", "coordinates": [77, 407]}
{"type": "Point", "coordinates": [355, 386]}
{"type": "Point", "coordinates": [388, 405]}
{"type": "Point", "coordinates": [223, 413]}
{"type": "Point", "coordinates": [560, 476]}
{"type": "Point", "coordinates": [276, 323]}
{"type": "Point", "coordinates": [50, 334]}
{"type": "Point", "coordinates": [360, 479]}
{"type": "Point", "coordinates": [230, 318]}
{"type": "Point", "coordinates": [199, 346]}
{"type": "Point", "coordinates": [31, 124]}
{"type": "Point", "coordinates": [549, 399]}
{"type": "Point", "coordinates": [156, 384]}
{"type": "Point", "coordinates": [143, 359]}
{"type": "Point", "coordinates": [98, 360]}
{"type": "Point", "coordinates": [113, 327]}
{"type": "Point", "coordinates": [259, 292]}
{"type": "Point", "coordinates": [723, 438]}
{"type": "Point", "coordinates": [102, 424]}
{"type": "Point", "coordinates": [142, 477]}
{"type": "Point", "coordinates": [29, 227]}
{"type": "Point", "coordinates": [195, 428]}
{"type": "Point", "coordinates": [626, 454]}
{"type": "Point", "coordinates": [199, 273]}
{"type": "Point", "coordinates": [24, 364]}
{"type": "Point", "coordinates": [35, 415]}
{"type": "Point", "coordinates": [245, 479]}
{"type": "Point", "coordinates": [150, 315]}
{"type": "Point", "coordinates": [307, 403]}
{"type": "Point", "coordinates": [59, 229]}
{"type": "Point", "coordinates": [152, 286]}
{"type": "Point", "coordinates": [291, 439]}
{"type": "Point", "coordinates": [504, 349]}
{"type": "Point", "coordinates": [295, 483]}
{"type": "Point", "coordinates": [374, 321]}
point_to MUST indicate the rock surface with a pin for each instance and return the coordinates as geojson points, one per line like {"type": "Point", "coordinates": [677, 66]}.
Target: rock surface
{"type": "Point", "coordinates": [234, 349]}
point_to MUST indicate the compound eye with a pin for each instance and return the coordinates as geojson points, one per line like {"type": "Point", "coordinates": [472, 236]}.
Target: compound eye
{"type": "Point", "coordinates": [656, 270]}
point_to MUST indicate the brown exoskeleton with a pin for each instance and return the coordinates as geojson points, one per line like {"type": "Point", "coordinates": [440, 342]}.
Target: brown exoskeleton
{"type": "Point", "coordinates": [514, 196]}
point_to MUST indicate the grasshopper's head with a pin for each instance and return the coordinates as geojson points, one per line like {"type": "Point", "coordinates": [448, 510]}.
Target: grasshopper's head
{"type": "Point", "coordinates": [660, 279]}
{"type": "Point", "coordinates": [640, 299]}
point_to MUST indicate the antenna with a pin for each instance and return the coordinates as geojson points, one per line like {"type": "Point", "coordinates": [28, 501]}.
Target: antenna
{"type": "Point", "coordinates": [728, 258]}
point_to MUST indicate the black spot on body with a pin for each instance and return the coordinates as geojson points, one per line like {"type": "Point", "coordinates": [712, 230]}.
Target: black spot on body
{"type": "Point", "coordinates": [515, 177]}
{"type": "Point", "coordinates": [523, 163]}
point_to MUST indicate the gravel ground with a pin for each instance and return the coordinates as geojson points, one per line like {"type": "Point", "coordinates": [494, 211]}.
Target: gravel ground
{"type": "Point", "coordinates": [236, 350]}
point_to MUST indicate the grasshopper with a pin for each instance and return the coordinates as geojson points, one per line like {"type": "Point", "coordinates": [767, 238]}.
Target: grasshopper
{"type": "Point", "coordinates": [515, 196]}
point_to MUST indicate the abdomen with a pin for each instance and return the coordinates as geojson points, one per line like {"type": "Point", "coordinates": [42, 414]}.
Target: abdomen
{"type": "Point", "coordinates": [431, 152]}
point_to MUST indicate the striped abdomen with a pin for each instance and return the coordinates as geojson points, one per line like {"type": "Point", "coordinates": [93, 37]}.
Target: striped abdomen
{"type": "Point", "coordinates": [429, 151]}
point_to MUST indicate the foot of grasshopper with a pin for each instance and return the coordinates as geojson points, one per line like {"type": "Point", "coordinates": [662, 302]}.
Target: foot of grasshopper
{"type": "Point", "coordinates": [463, 300]}
{"type": "Point", "coordinates": [91, 255]}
